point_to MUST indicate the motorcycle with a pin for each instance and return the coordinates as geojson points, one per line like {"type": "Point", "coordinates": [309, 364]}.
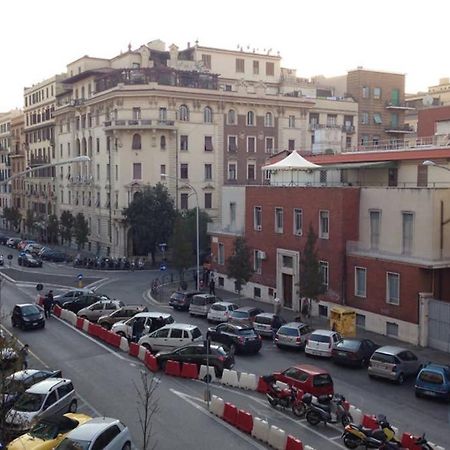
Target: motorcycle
{"type": "Point", "coordinates": [355, 435]}
{"type": "Point", "coordinates": [418, 442]}
{"type": "Point", "coordinates": [327, 409]}
{"type": "Point", "coordinates": [140, 264]}
{"type": "Point", "coordinates": [286, 398]}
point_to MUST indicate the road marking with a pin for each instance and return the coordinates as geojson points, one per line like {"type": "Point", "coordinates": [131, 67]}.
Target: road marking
{"type": "Point", "coordinates": [149, 299]}
{"type": "Point", "coordinates": [192, 401]}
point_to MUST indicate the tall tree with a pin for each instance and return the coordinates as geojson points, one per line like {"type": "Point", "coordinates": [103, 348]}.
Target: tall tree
{"type": "Point", "coordinates": [80, 230]}
{"type": "Point", "coordinates": [239, 265]}
{"type": "Point", "coordinates": [151, 216]}
{"type": "Point", "coordinates": [180, 245]}
{"type": "Point", "coordinates": [15, 217]}
{"type": "Point", "coordinates": [53, 229]}
{"type": "Point", "coordinates": [66, 223]}
{"type": "Point", "coordinates": [29, 221]}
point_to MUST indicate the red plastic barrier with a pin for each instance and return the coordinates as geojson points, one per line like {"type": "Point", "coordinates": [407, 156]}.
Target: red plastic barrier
{"type": "Point", "coordinates": [409, 441]}
{"type": "Point", "coordinates": [244, 421]}
{"type": "Point", "coordinates": [370, 422]}
{"type": "Point", "coordinates": [79, 323]}
{"type": "Point", "coordinates": [92, 329]}
{"type": "Point", "coordinates": [150, 362]}
{"type": "Point", "coordinates": [133, 350]}
{"type": "Point", "coordinates": [101, 333]}
{"type": "Point", "coordinates": [293, 443]}
{"type": "Point", "coordinates": [230, 413]}
{"type": "Point", "coordinates": [189, 370]}
{"type": "Point", "coordinates": [263, 387]}
{"type": "Point", "coordinates": [173, 368]}
{"type": "Point", "coordinates": [113, 339]}
{"type": "Point", "coordinates": [40, 300]}
{"type": "Point", "coordinates": [57, 310]}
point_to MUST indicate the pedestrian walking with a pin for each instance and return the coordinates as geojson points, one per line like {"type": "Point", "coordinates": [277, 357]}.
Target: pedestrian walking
{"type": "Point", "coordinates": [276, 306]}
{"type": "Point", "coordinates": [212, 286]}
{"type": "Point", "coordinates": [24, 356]}
{"type": "Point", "coordinates": [48, 304]}
{"type": "Point", "coordinates": [138, 329]}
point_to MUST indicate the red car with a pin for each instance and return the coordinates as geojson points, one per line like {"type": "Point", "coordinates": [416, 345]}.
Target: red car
{"type": "Point", "coordinates": [308, 378]}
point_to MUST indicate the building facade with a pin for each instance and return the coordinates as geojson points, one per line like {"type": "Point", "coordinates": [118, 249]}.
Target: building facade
{"type": "Point", "coordinates": [18, 165]}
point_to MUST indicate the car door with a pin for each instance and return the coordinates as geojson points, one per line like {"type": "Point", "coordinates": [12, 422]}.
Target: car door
{"type": "Point", "coordinates": [185, 355]}
{"type": "Point", "coordinates": [175, 338]}
{"type": "Point", "coordinates": [220, 334]}
{"type": "Point", "coordinates": [50, 406]}
{"type": "Point", "coordinates": [410, 361]}
{"type": "Point", "coordinates": [106, 438]}
{"type": "Point", "coordinates": [65, 396]}
{"type": "Point", "coordinates": [158, 340]}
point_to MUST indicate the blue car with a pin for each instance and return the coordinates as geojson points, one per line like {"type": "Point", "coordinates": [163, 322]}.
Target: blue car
{"type": "Point", "coordinates": [433, 380]}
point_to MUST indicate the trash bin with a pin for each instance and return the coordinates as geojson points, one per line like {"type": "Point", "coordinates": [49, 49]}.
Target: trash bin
{"type": "Point", "coordinates": [343, 320]}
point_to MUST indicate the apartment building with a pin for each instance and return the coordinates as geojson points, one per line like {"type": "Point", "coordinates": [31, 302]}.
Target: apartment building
{"type": "Point", "coordinates": [18, 164]}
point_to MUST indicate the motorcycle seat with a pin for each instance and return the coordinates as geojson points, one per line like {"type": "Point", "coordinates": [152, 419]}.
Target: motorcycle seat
{"type": "Point", "coordinates": [323, 407]}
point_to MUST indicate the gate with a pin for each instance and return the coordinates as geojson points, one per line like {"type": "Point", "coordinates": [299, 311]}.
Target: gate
{"type": "Point", "coordinates": [439, 325]}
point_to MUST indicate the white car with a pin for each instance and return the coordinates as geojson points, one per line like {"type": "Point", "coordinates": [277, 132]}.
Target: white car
{"type": "Point", "coordinates": [153, 321]}
{"type": "Point", "coordinates": [103, 433]}
{"type": "Point", "coordinates": [170, 337]}
{"type": "Point", "coordinates": [220, 311]}
{"type": "Point", "coordinates": [322, 343]}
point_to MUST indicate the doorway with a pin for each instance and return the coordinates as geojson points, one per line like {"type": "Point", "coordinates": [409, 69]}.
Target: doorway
{"type": "Point", "coordinates": [287, 290]}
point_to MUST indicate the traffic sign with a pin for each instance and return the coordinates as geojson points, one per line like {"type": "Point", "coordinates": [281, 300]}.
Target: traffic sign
{"type": "Point", "coordinates": [162, 266]}
{"type": "Point", "coordinates": [39, 287]}
{"type": "Point", "coordinates": [10, 256]}
{"type": "Point", "coordinates": [80, 276]}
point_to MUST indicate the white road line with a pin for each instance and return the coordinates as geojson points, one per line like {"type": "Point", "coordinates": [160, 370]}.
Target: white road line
{"type": "Point", "coordinates": [192, 401]}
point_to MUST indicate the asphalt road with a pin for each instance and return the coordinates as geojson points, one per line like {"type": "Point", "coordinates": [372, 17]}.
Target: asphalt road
{"type": "Point", "coordinates": [106, 379]}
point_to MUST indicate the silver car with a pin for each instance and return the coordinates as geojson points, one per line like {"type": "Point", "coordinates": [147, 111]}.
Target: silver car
{"type": "Point", "coordinates": [293, 335]}
{"type": "Point", "coordinates": [393, 363]}
{"type": "Point", "coordinates": [100, 308]}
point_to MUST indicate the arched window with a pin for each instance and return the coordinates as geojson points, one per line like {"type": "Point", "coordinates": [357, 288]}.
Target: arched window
{"type": "Point", "coordinates": [163, 142]}
{"type": "Point", "coordinates": [84, 146]}
{"type": "Point", "coordinates": [184, 113]}
{"type": "Point", "coordinates": [231, 117]}
{"type": "Point", "coordinates": [207, 115]}
{"type": "Point", "coordinates": [268, 121]}
{"type": "Point", "coordinates": [78, 147]}
{"type": "Point", "coordinates": [136, 145]}
{"type": "Point", "coordinates": [250, 119]}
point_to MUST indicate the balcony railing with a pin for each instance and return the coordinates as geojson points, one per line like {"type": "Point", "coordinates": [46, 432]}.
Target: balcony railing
{"type": "Point", "coordinates": [405, 128]}
{"type": "Point", "coordinates": [227, 229]}
{"type": "Point", "coordinates": [398, 105]}
{"type": "Point", "coordinates": [138, 123]}
{"type": "Point", "coordinates": [317, 126]}
{"type": "Point", "coordinates": [34, 162]}
{"type": "Point", "coordinates": [348, 129]}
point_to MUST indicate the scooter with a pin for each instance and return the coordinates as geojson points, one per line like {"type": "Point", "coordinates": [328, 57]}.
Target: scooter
{"type": "Point", "coordinates": [327, 409]}
{"type": "Point", "coordinates": [418, 442]}
{"type": "Point", "coordinates": [288, 398]}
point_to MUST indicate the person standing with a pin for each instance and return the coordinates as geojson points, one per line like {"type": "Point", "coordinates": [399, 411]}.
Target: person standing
{"type": "Point", "coordinates": [276, 306]}
{"type": "Point", "coordinates": [24, 355]}
{"type": "Point", "coordinates": [48, 304]}
{"type": "Point", "coordinates": [138, 328]}
{"type": "Point", "coordinates": [212, 286]}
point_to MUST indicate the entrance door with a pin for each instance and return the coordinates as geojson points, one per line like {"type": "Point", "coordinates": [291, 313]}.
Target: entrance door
{"type": "Point", "coordinates": [439, 325]}
{"type": "Point", "coordinates": [287, 290]}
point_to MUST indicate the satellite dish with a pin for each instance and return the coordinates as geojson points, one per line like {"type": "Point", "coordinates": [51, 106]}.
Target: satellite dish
{"type": "Point", "coordinates": [427, 100]}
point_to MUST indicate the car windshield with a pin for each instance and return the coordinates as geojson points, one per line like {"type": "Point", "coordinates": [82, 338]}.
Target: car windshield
{"type": "Point", "coordinates": [44, 431]}
{"type": "Point", "coordinates": [246, 332]}
{"type": "Point", "coordinates": [319, 338]}
{"type": "Point", "coordinates": [73, 444]}
{"type": "Point", "coordinates": [30, 310]}
{"type": "Point", "coordinates": [239, 314]}
{"type": "Point", "coordinates": [431, 377]}
{"type": "Point", "coordinates": [322, 379]}
{"type": "Point", "coordinates": [288, 331]}
{"type": "Point", "coordinates": [219, 307]}
{"type": "Point", "coordinates": [349, 345]}
{"type": "Point", "coordinates": [263, 319]}
{"type": "Point", "coordinates": [196, 333]}
{"type": "Point", "coordinates": [29, 402]}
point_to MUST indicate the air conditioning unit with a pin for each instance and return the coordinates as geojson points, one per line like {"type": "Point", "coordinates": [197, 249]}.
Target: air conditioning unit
{"type": "Point", "coordinates": [258, 227]}
{"type": "Point", "coordinates": [261, 255]}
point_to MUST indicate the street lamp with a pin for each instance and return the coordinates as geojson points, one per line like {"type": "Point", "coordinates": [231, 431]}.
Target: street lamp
{"type": "Point", "coordinates": [197, 223]}
{"type": "Point", "coordinates": [428, 162]}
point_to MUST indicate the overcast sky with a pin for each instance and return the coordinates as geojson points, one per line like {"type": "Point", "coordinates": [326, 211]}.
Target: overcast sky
{"type": "Point", "coordinates": [329, 37]}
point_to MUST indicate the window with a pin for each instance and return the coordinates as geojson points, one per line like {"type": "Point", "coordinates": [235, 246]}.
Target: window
{"type": "Point", "coordinates": [257, 263]}
{"type": "Point", "coordinates": [184, 171]}
{"type": "Point", "coordinates": [162, 171]}
{"type": "Point", "coordinates": [270, 69]}
{"type": "Point", "coordinates": [268, 120]}
{"type": "Point", "coordinates": [257, 218]}
{"type": "Point", "coordinates": [240, 65]}
{"type": "Point", "coordinates": [391, 329]}
{"type": "Point", "coordinates": [291, 122]}
{"type": "Point", "coordinates": [250, 119]}
{"type": "Point", "coordinates": [136, 113]}
{"type": "Point", "coordinates": [251, 144]}
{"type": "Point", "coordinates": [232, 143]}
{"type": "Point", "coordinates": [184, 142]}
{"type": "Point", "coordinates": [97, 145]}
{"type": "Point", "coordinates": [291, 144]}
{"type": "Point", "coordinates": [365, 118]}
{"type": "Point", "coordinates": [162, 143]}
{"type": "Point", "coordinates": [176, 333]}
{"type": "Point", "coordinates": [323, 176]}
{"type": "Point", "coordinates": [298, 222]}
{"type": "Point", "coordinates": [331, 120]}
{"type": "Point", "coordinates": [255, 67]}
{"type": "Point", "coordinates": [365, 92]}
{"type": "Point", "coordinates": [394, 120]}
{"type": "Point", "coordinates": [251, 175]}
{"type": "Point", "coordinates": [232, 171]}
{"type": "Point", "coordinates": [269, 145]}
{"type": "Point", "coordinates": [278, 220]}
{"type": "Point", "coordinates": [377, 119]}
{"type": "Point", "coordinates": [375, 140]}
{"type": "Point", "coordinates": [162, 114]}
{"type": "Point", "coordinates": [257, 292]}
{"type": "Point", "coordinates": [393, 288]}
{"type": "Point", "coordinates": [323, 224]}
{"type": "Point", "coordinates": [231, 117]}
{"type": "Point", "coordinates": [206, 59]}
{"type": "Point", "coordinates": [207, 115]}
{"type": "Point", "coordinates": [376, 93]}
{"type": "Point", "coordinates": [360, 281]}
{"type": "Point", "coordinates": [184, 113]}
{"type": "Point", "coordinates": [137, 171]}
{"type": "Point", "coordinates": [364, 139]}
{"type": "Point", "coordinates": [221, 254]}
{"type": "Point", "coordinates": [232, 212]}
{"type": "Point", "coordinates": [136, 145]}
{"type": "Point", "coordinates": [360, 321]}
{"type": "Point", "coordinates": [323, 268]}
{"type": "Point", "coordinates": [407, 232]}
{"type": "Point", "coordinates": [208, 171]}
{"type": "Point", "coordinates": [208, 200]}
{"type": "Point", "coordinates": [184, 200]}
{"type": "Point", "coordinates": [375, 221]}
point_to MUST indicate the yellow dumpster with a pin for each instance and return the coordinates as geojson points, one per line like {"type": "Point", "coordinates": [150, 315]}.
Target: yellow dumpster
{"type": "Point", "coordinates": [343, 320]}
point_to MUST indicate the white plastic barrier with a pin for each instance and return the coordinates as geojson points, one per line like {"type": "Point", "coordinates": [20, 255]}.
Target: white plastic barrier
{"type": "Point", "coordinates": [260, 429]}
{"type": "Point", "coordinates": [356, 414]}
{"type": "Point", "coordinates": [69, 316]}
{"type": "Point", "coordinates": [124, 345]}
{"type": "Point", "coordinates": [230, 378]}
{"type": "Point", "coordinates": [277, 438]}
{"type": "Point", "coordinates": [217, 406]}
{"type": "Point", "coordinates": [85, 325]}
{"type": "Point", "coordinates": [248, 381]}
{"type": "Point", "coordinates": [203, 372]}
{"type": "Point", "coordinates": [142, 351]}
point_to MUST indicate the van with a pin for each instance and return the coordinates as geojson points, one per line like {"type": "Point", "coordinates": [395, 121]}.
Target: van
{"type": "Point", "coordinates": [200, 304]}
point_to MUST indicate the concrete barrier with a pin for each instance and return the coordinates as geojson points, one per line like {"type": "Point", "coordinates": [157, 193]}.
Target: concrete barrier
{"type": "Point", "coordinates": [203, 373]}
{"type": "Point", "coordinates": [260, 429]}
{"type": "Point", "coordinates": [124, 345]}
{"type": "Point", "coordinates": [248, 381]}
{"type": "Point", "coordinates": [230, 378]}
{"type": "Point", "coordinates": [262, 387]}
{"type": "Point", "coordinates": [217, 406]}
{"type": "Point", "coordinates": [173, 368]}
{"type": "Point", "coordinates": [357, 414]}
{"type": "Point", "coordinates": [277, 438]}
{"type": "Point", "coordinates": [189, 370]}
{"type": "Point", "coordinates": [230, 413]}
{"type": "Point", "coordinates": [71, 317]}
{"type": "Point", "coordinates": [133, 349]}
{"type": "Point", "coordinates": [57, 310]}
{"type": "Point", "coordinates": [369, 422]}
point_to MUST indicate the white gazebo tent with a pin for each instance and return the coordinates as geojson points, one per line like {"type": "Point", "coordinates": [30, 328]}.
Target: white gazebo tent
{"type": "Point", "coordinates": [291, 171]}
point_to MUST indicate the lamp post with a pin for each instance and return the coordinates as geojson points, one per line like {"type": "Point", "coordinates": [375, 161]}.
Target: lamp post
{"type": "Point", "coordinates": [197, 223]}
{"type": "Point", "coordinates": [428, 162]}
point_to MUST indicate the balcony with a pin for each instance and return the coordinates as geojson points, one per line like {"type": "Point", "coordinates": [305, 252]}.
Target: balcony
{"type": "Point", "coordinates": [399, 129]}
{"type": "Point", "coordinates": [318, 126]}
{"type": "Point", "coordinates": [400, 106]}
{"type": "Point", "coordinates": [233, 229]}
{"type": "Point", "coordinates": [349, 129]}
{"type": "Point", "coordinates": [138, 124]}
{"type": "Point", "coordinates": [39, 161]}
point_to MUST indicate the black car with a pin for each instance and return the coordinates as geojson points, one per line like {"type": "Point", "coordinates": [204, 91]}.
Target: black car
{"type": "Point", "coordinates": [27, 315]}
{"type": "Point", "coordinates": [71, 295]}
{"type": "Point", "coordinates": [220, 356]}
{"type": "Point", "coordinates": [52, 255]}
{"type": "Point", "coordinates": [82, 301]}
{"type": "Point", "coordinates": [3, 239]}
{"type": "Point", "coordinates": [17, 383]}
{"type": "Point", "coordinates": [28, 260]}
{"type": "Point", "coordinates": [240, 337]}
{"type": "Point", "coordinates": [181, 300]}
{"type": "Point", "coordinates": [353, 352]}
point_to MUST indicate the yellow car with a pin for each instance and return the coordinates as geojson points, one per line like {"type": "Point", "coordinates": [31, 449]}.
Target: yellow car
{"type": "Point", "coordinates": [48, 433]}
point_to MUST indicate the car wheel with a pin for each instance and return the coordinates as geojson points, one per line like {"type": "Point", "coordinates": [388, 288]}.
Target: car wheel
{"type": "Point", "coordinates": [127, 446]}
{"type": "Point", "coordinates": [299, 409]}
{"type": "Point", "coordinates": [346, 419]}
{"type": "Point", "coordinates": [401, 379]}
{"type": "Point", "coordinates": [73, 406]}
{"type": "Point", "coordinates": [207, 378]}
{"type": "Point", "coordinates": [148, 347]}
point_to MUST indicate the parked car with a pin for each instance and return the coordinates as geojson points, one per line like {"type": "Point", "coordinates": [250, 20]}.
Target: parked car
{"type": "Point", "coordinates": [393, 363]}
{"type": "Point", "coordinates": [23, 243]}
{"type": "Point", "coordinates": [121, 314]}
{"type": "Point", "coordinates": [103, 433]}
{"type": "Point", "coordinates": [100, 308]}
{"type": "Point", "coordinates": [48, 398]}
{"type": "Point", "coordinates": [71, 295]}
{"type": "Point", "coordinates": [33, 248]}
{"type": "Point", "coordinates": [17, 383]}
{"type": "Point", "coordinates": [433, 381]}
{"type": "Point", "coordinates": [83, 301]}
{"type": "Point", "coordinates": [28, 260]}
{"type": "Point", "coordinates": [293, 335]}
{"type": "Point", "coordinates": [13, 242]}
{"type": "Point", "coordinates": [220, 356]}
{"type": "Point", "coordinates": [52, 255]}
{"type": "Point", "coordinates": [152, 321]}
{"type": "Point", "coordinates": [46, 434]}
{"type": "Point", "coordinates": [220, 311]}
{"type": "Point", "coordinates": [4, 239]}
{"type": "Point", "coordinates": [182, 299]}
{"type": "Point", "coordinates": [171, 336]}
{"type": "Point", "coordinates": [200, 304]}
{"type": "Point", "coordinates": [265, 323]}
{"type": "Point", "coordinates": [310, 379]}
{"type": "Point", "coordinates": [27, 315]}
{"type": "Point", "coordinates": [245, 314]}
{"type": "Point", "coordinates": [353, 352]}
{"type": "Point", "coordinates": [322, 342]}
{"type": "Point", "coordinates": [240, 337]}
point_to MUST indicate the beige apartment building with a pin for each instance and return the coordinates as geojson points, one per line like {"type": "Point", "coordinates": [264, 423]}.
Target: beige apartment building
{"type": "Point", "coordinates": [18, 164]}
